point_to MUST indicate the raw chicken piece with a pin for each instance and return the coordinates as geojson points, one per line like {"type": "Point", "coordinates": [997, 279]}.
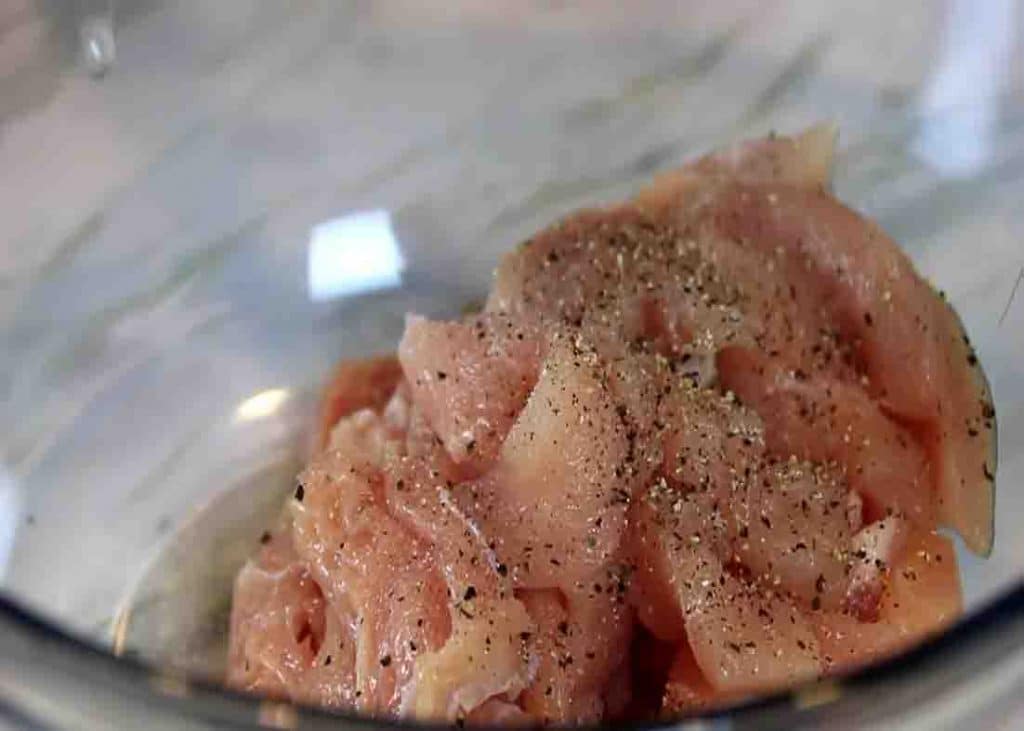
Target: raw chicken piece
{"type": "Point", "coordinates": [555, 502]}
{"type": "Point", "coordinates": [710, 440]}
{"type": "Point", "coordinates": [487, 656]}
{"type": "Point", "coordinates": [745, 638]}
{"type": "Point", "coordinates": [820, 419]}
{"type": "Point", "coordinates": [554, 507]}
{"type": "Point", "coordinates": [922, 598]}
{"type": "Point", "coordinates": [356, 384]}
{"type": "Point", "coordinates": [793, 533]}
{"type": "Point", "coordinates": [470, 378]}
{"type": "Point", "coordinates": [490, 652]}
{"type": "Point", "coordinates": [686, 690]}
{"type": "Point", "coordinates": [282, 633]}
{"type": "Point", "coordinates": [766, 195]}
{"type": "Point", "coordinates": [873, 550]}
{"type": "Point", "coordinates": [582, 641]}
{"type": "Point", "coordinates": [803, 160]}
{"type": "Point", "coordinates": [785, 521]}
{"type": "Point", "coordinates": [618, 276]}
{"type": "Point", "coordinates": [384, 583]}
{"type": "Point", "coordinates": [498, 712]}
{"type": "Point", "coordinates": [777, 313]}
{"type": "Point", "coordinates": [891, 317]}
{"type": "Point", "coordinates": [678, 449]}
{"type": "Point", "coordinates": [555, 693]}
{"type": "Point", "coordinates": [551, 696]}
{"type": "Point", "coordinates": [618, 693]}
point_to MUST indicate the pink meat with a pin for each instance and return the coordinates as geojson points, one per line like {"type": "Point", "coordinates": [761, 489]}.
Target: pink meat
{"type": "Point", "coordinates": [820, 419]}
{"type": "Point", "coordinates": [582, 641]}
{"type": "Point", "coordinates": [556, 499]}
{"type": "Point", "coordinates": [892, 318]}
{"type": "Point", "coordinates": [697, 441]}
{"type": "Point", "coordinates": [744, 637]}
{"type": "Point", "coordinates": [470, 378]}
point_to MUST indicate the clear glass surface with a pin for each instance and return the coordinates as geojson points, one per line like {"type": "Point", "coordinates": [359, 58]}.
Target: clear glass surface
{"type": "Point", "coordinates": [204, 205]}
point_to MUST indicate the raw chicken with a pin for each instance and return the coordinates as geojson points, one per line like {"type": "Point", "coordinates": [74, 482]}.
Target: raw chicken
{"type": "Point", "coordinates": [355, 385]}
{"type": "Point", "coordinates": [470, 378]}
{"type": "Point", "coordinates": [677, 460]}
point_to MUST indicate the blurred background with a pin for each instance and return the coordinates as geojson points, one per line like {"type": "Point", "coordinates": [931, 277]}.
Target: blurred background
{"type": "Point", "coordinates": [204, 204]}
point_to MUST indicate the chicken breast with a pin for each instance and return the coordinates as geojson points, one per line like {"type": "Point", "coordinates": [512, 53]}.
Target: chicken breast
{"type": "Point", "coordinates": [695, 447]}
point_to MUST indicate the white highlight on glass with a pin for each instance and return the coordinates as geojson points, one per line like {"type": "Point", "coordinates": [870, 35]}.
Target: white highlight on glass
{"type": "Point", "coordinates": [962, 97]}
{"type": "Point", "coordinates": [96, 37]}
{"type": "Point", "coordinates": [10, 514]}
{"type": "Point", "coordinates": [261, 405]}
{"type": "Point", "coordinates": [353, 254]}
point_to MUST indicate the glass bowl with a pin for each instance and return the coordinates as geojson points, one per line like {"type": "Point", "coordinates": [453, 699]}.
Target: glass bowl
{"type": "Point", "coordinates": [204, 206]}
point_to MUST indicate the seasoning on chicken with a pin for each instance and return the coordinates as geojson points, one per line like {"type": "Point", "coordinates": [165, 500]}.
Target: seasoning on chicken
{"type": "Point", "coordinates": [701, 440]}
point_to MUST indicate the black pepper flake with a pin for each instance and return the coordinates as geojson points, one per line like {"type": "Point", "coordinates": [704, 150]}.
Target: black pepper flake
{"type": "Point", "coordinates": [987, 472]}
{"type": "Point", "coordinates": [502, 569]}
{"type": "Point", "coordinates": [300, 492]}
{"type": "Point", "coordinates": [327, 661]}
{"type": "Point", "coordinates": [385, 661]}
{"type": "Point", "coordinates": [972, 359]}
{"type": "Point", "coordinates": [441, 375]}
{"type": "Point", "coordinates": [988, 411]}
{"type": "Point", "coordinates": [470, 593]}
{"type": "Point", "coordinates": [265, 538]}
{"type": "Point", "coordinates": [816, 603]}
{"type": "Point", "coordinates": [868, 320]}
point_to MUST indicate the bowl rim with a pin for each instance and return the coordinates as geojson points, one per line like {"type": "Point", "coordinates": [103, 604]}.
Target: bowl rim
{"type": "Point", "coordinates": [37, 650]}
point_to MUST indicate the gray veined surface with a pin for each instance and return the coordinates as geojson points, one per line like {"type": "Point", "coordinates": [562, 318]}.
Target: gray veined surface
{"type": "Point", "coordinates": [156, 221]}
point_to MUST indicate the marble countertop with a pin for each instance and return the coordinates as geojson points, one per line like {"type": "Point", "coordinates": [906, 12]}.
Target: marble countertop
{"type": "Point", "coordinates": [164, 162]}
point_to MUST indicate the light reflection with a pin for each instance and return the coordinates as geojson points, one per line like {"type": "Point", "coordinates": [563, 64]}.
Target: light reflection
{"type": "Point", "coordinates": [353, 254]}
{"type": "Point", "coordinates": [263, 404]}
{"type": "Point", "coordinates": [960, 101]}
{"type": "Point", "coordinates": [10, 513]}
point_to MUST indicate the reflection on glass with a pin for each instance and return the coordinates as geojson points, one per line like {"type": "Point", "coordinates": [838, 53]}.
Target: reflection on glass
{"type": "Point", "coordinates": [960, 100]}
{"type": "Point", "coordinates": [10, 511]}
{"type": "Point", "coordinates": [353, 254]}
{"type": "Point", "coordinates": [261, 405]}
